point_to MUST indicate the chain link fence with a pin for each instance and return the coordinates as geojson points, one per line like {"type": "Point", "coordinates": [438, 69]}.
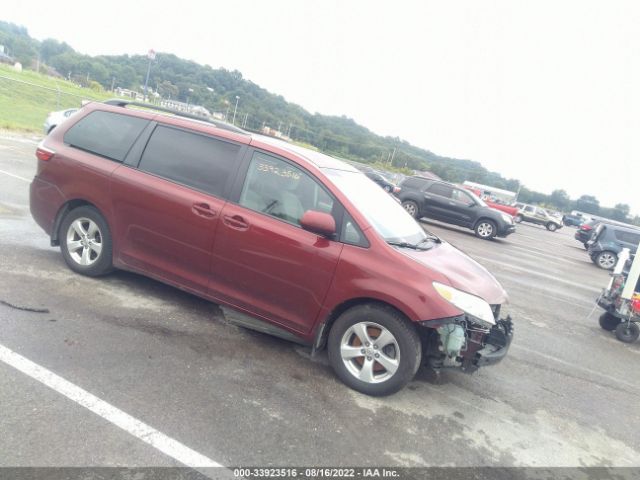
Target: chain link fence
{"type": "Point", "coordinates": [25, 105]}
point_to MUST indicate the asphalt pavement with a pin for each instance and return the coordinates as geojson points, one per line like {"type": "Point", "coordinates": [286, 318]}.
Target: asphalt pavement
{"type": "Point", "coordinates": [150, 356]}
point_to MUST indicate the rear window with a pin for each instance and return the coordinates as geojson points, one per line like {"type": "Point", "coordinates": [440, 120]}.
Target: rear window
{"type": "Point", "coordinates": [416, 183]}
{"type": "Point", "coordinates": [191, 159]}
{"type": "Point", "coordinates": [108, 134]}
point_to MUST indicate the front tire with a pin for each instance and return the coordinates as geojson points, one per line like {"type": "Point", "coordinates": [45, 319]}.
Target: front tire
{"type": "Point", "coordinates": [85, 242]}
{"type": "Point", "coordinates": [606, 260]}
{"type": "Point", "coordinates": [627, 332]}
{"type": "Point", "coordinates": [412, 208]}
{"type": "Point", "coordinates": [608, 321]}
{"type": "Point", "coordinates": [486, 229]}
{"type": "Point", "coordinates": [552, 227]}
{"type": "Point", "coordinates": [374, 349]}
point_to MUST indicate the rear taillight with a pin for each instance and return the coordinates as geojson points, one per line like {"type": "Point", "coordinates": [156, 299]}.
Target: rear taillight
{"type": "Point", "coordinates": [396, 189]}
{"type": "Point", "coordinates": [586, 228]}
{"type": "Point", "coordinates": [43, 153]}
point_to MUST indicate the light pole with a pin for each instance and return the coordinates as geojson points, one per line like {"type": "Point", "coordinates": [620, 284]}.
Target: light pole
{"type": "Point", "coordinates": [151, 55]}
{"type": "Point", "coordinates": [235, 110]}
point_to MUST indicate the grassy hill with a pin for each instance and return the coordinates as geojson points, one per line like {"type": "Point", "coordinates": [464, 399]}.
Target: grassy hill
{"type": "Point", "coordinates": [26, 98]}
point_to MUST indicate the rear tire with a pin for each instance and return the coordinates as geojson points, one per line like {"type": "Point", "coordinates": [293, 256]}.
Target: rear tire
{"type": "Point", "coordinates": [376, 369]}
{"type": "Point", "coordinates": [606, 260]}
{"type": "Point", "coordinates": [627, 332]}
{"type": "Point", "coordinates": [412, 208]}
{"type": "Point", "coordinates": [608, 321]}
{"type": "Point", "coordinates": [517, 218]}
{"type": "Point", "coordinates": [85, 242]}
{"type": "Point", "coordinates": [552, 227]}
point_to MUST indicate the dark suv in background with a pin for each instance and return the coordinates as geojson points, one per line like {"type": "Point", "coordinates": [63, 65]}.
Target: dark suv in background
{"type": "Point", "coordinates": [445, 202]}
{"type": "Point", "coordinates": [608, 241]}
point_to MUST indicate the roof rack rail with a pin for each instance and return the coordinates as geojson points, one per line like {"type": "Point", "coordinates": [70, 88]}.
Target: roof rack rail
{"type": "Point", "coordinates": [124, 103]}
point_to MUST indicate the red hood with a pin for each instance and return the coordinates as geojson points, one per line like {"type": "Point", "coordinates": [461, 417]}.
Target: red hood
{"type": "Point", "coordinates": [462, 272]}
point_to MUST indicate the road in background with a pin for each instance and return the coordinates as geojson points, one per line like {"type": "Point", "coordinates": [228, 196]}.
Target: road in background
{"type": "Point", "coordinates": [563, 396]}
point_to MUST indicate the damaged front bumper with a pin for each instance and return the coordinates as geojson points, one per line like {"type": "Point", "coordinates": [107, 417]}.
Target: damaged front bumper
{"type": "Point", "coordinates": [482, 346]}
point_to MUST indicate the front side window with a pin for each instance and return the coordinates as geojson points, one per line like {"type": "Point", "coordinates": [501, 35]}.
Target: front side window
{"type": "Point", "coordinates": [529, 208]}
{"type": "Point", "coordinates": [281, 190]}
{"type": "Point", "coordinates": [463, 197]}
{"type": "Point", "coordinates": [107, 134]}
{"type": "Point", "coordinates": [191, 159]}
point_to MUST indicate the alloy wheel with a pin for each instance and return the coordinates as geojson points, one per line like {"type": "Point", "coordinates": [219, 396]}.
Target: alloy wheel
{"type": "Point", "coordinates": [370, 352]}
{"type": "Point", "coordinates": [485, 230]}
{"type": "Point", "coordinates": [606, 260]}
{"type": "Point", "coordinates": [84, 241]}
{"type": "Point", "coordinates": [410, 208]}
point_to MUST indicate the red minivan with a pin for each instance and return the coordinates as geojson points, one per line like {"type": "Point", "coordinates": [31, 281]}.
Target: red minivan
{"type": "Point", "coordinates": [287, 240]}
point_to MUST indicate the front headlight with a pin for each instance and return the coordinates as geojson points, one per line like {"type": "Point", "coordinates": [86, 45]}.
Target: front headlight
{"type": "Point", "coordinates": [507, 218]}
{"type": "Point", "coordinates": [474, 306]}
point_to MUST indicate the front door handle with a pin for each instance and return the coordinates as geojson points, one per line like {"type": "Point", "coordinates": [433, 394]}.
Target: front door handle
{"type": "Point", "coordinates": [236, 222]}
{"type": "Point", "coordinates": [203, 209]}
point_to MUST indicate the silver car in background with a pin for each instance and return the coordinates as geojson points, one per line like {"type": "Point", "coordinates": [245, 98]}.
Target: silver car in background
{"type": "Point", "coordinates": [56, 118]}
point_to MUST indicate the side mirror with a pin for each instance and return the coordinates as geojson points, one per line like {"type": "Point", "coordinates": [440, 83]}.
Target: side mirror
{"type": "Point", "coordinates": [318, 222]}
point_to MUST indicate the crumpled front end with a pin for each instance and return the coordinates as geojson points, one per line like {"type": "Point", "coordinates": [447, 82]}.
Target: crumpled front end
{"type": "Point", "coordinates": [464, 343]}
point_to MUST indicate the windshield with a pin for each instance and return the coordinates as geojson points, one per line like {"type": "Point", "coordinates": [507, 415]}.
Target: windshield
{"type": "Point", "coordinates": [384, 213]}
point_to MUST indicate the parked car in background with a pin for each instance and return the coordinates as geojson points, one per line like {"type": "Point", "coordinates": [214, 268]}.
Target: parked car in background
{"type": "Point", "coordinates": [538, 216]}
{"type": "Point", "coordinates": [286, 240]}
{"type": "Point", "coordinates": [383, 182]}
{"type": "Point", "coordinates": [503, 207]}
{"type": "Point", "coordinates": [575, 219]}
{"type": "Point", "coordinates": [608, 241]}
{"type": "Point", "coordinates": [56, 118]}
{"type": "Point", "coordinates": [585, 231]}
{"type": "Point", "coordinates": [449, 203]}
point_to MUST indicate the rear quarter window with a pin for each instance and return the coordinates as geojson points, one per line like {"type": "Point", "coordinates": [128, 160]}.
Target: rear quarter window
{"type": "Point", "coordinates": [107, 134]}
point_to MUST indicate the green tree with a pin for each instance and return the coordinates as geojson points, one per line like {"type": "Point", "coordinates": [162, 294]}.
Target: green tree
{"type": "Point", "coordinates": [560, 199]}
{"type": "Point", "coordinates": [588, 204]}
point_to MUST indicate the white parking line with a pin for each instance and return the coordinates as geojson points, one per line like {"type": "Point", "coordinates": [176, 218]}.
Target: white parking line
{"type": "Point", "coordinates": [16, 176]}
{"type": "Point", "coordinates": [135, 427]}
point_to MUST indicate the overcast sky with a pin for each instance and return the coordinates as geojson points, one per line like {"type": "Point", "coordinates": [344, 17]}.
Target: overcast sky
{"type": "Point", "coordinates": [544, 91]}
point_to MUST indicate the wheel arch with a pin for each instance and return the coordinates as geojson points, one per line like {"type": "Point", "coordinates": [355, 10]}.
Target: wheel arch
{"type": "Point", "coordinates": [323, 329]}
{"type": "Point", "coordinates": [62, 211]}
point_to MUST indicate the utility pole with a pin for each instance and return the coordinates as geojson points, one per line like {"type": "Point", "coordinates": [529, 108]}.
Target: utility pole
{"type": "Point", "coordinates": [235, 110]}
{"type": "Point", "coordinates": [244, 124]}
{"type": "Point", "coordinates": [113, 83]}
{"type": "Point", "coordinates": [151, 55]}
{"type": "Point", "coordinates": [393, 155]}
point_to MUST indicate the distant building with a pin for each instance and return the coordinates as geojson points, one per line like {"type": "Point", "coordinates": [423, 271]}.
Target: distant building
{"type": "Point", "coordinates": [493, 193]}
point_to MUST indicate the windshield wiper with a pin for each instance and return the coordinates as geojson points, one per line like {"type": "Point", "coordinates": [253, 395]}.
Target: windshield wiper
{"type": "Point", "coordinates": [431, 238]}
{"type": "Point", "coordinates": [407, 245]}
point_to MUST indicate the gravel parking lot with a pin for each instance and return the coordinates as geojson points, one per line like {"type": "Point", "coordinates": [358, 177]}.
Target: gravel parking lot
{"type": "Point", "coordinates": [564, 396]}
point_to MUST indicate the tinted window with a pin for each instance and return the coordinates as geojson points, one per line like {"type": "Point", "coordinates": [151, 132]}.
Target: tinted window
{"type": "Point", "coordinates": [105, 133]}
{"type": "Point", "coordinates": [628, 237]}
{"type": "Point", "coordinates": [441, 189]}
{"type": "Point", "coordinates": [279, 189]}
{"type": "Point", "coordinates": [529, 208]}
{"type": "Point", "coordinates": [416, 183]}
{"type": "Point", "coordinates": [191, 159]}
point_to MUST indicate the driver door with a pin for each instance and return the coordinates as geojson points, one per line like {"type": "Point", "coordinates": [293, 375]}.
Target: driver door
{"type": "Point", "coordinates": [263, 261]}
